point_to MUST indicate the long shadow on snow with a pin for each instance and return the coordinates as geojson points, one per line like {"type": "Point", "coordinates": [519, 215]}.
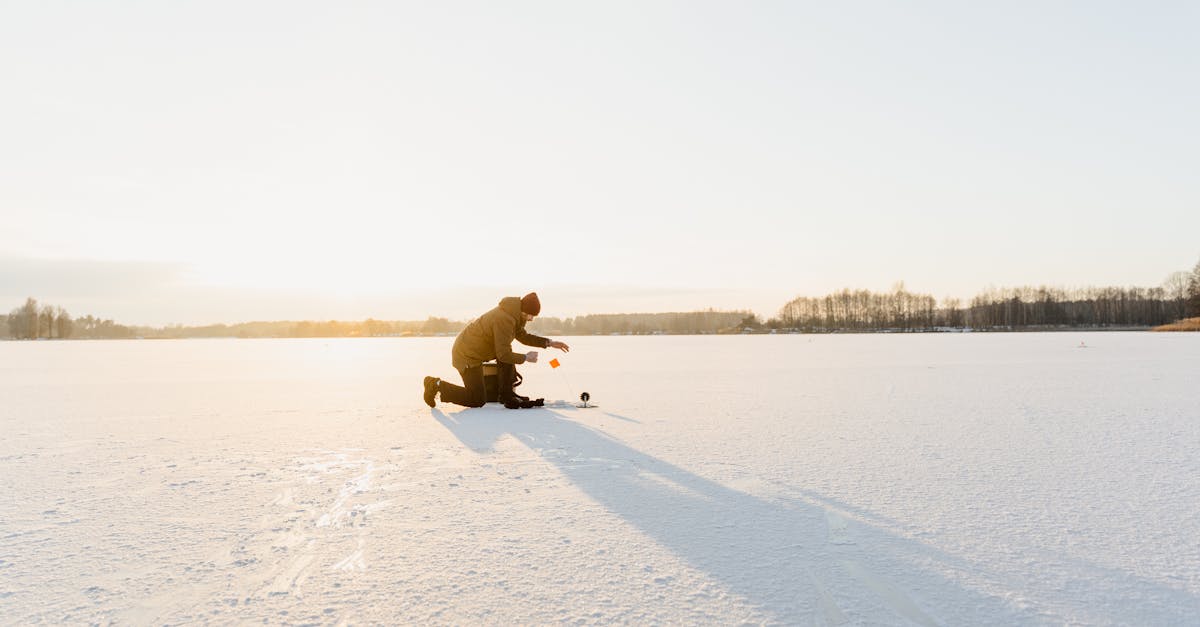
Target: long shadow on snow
{"type": "Point", "coordinates": [790, 558]}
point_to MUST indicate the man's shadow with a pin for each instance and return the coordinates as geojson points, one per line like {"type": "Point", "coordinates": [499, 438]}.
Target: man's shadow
{"type": "Point", "coordinates": [804, 559]}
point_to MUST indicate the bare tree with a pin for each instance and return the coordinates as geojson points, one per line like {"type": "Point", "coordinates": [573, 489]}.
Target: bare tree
{"type": "Point", "coordinates": [63, 323]}
{"type": "Point", "coordinates": [1193, 292]}
{"type": "Point", "coordinates": [46, 321]}
{"type": "Point", "coordinates": [23, 322]}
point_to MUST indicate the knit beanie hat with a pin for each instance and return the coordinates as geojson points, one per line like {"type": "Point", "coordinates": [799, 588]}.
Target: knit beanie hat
{"type": "Point", "coordinates": [531, 305]}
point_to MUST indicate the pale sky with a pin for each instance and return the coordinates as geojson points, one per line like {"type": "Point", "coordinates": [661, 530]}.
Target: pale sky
{"type": "Point", "coordinates": [199, 162]}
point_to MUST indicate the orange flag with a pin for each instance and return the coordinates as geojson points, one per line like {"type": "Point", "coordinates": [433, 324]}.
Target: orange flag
{"type": "Point", "coordinates": [553, 363]}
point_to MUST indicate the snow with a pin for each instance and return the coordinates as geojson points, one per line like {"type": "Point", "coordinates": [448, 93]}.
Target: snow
{"type": "Point", "coordinates": [949, 479]}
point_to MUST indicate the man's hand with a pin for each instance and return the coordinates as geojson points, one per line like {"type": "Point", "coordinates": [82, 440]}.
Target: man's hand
{"type": "Point", "coordinates": [531, 357]}
{"type": "Point", "coordinates": [562, 346]}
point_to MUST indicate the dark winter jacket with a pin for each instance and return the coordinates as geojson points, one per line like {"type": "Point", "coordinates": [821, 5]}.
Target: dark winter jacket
{"type": "Point", "coordinates": [491, 335]}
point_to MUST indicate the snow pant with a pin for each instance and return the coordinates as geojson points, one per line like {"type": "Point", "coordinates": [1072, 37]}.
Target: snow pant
{"type": "Point", "coordinates": [473, 392]}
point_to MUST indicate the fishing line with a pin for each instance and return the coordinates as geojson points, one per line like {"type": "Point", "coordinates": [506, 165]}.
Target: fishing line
{"type": "Point", "coordinates": [585, 397]}
{"type": "Point", "coordinates": [555, 365]}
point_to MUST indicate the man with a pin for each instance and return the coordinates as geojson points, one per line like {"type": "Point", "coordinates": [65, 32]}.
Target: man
{"type": "Point", "coordinates": [486, 338]}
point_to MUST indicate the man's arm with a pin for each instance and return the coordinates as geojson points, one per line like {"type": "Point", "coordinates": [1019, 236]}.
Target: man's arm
{"type": "Point", "coordinates": [502, 336]}
{"type": "Point", "coordinates": [530, 339]}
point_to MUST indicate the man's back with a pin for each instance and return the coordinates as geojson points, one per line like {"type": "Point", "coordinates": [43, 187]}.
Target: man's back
{"type": "Point", "coordinates": [490, 336]}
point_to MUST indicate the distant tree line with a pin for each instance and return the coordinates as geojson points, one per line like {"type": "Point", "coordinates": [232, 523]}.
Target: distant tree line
{"type": "Point", "coordinates": [32, 321]}
{"type": "Point", "coordinates": [307, 328]}
{"type": "Point", "coordinates": [690, 322]}
{"type": "Point", "coordinates": [1026, 307]}
{"type": "Point", "coordinates": [859, 310]}
{"type": "Point", "coordinates": [847, 310]}
{"type": "Point", "coordinates": [56, 323]}
{"type": "Point", "coordinates": [1089, 307]}
{"type": "Point", "coordinates": [90, 328]}
{"type": "Point", "coordinates": [997, 309]}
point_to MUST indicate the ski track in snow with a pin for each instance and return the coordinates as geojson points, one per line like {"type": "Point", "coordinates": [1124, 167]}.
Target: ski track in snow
{"type": "Point", "coordinates": [884, 480]}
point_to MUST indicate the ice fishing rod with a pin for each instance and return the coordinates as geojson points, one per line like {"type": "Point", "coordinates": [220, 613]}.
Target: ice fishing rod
{"type": "Point", "coordinates": [584, 397]}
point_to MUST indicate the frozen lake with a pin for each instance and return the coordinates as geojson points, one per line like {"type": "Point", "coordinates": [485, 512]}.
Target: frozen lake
{"type": "Point", "coordinates": [873, 479]}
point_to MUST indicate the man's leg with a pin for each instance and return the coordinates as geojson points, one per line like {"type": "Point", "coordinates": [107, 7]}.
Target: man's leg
{"type": "Point", "coordinates": [506, 376]}
{"type": "Point", "coordinates": [509, 378]}
{"type": "Point", "coordinates": [470, 396]}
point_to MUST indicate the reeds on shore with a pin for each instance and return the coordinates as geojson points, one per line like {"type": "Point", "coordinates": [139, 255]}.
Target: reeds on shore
{"type": "Point", "coordinates": [1187, 324]}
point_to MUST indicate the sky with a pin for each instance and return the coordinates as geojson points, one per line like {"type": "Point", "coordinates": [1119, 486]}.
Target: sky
{"type": "Point", "coordinates": [202, 162]}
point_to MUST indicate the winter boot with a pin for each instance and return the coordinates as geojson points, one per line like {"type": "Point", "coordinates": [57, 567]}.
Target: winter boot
{"type": "Point", "coordinates": [431, 390]}
{"type": "Point", "coordinates": [516, 403]}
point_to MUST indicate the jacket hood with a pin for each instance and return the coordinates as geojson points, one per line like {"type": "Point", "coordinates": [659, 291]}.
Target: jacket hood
{"type": "Point", "coordinates": [511, 305]}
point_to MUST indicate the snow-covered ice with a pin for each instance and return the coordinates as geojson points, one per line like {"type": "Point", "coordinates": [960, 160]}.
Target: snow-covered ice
{"type": "Point", "coordinates": [956, 479]}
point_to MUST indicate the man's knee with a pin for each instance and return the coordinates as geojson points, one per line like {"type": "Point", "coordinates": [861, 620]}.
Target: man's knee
{"type": "Point", "coordinates": [477, 400]}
